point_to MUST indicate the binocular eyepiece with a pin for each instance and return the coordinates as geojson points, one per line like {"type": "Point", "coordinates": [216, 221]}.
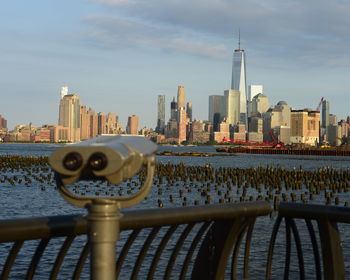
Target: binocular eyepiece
{"type": "Point", "coordinates": [114, 158]}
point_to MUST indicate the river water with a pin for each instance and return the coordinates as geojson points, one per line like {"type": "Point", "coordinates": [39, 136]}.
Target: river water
{"type": "Point", "coordinates": [32, 200]}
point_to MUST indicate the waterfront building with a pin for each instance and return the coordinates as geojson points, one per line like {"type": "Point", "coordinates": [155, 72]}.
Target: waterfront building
{"type": "Point", "coordinates": [173, 110]}
{"type": "Point", "coordinates": [344, 127]}
{"type": "Point", "coordinates": [334, 135]}
{"type": "Point", "coordinates": [182, 123]}
{"type": "Point", "coordinates": [255, 124]}
{"type": "Point", "coordinates": [325, 114]}
{"type": "Point", "coordinates": [223, 132]}
{"type": "Point", "coordinates": [189, 111]}
{"type": "Point", "coordinates": [260, 104]}
{"type": "Point", "coordinates": [111, 123]}
{"type": "Point", "coordinates": [333, 120]}
{"type": "Point", "coordinates": [254, 90]}
{"type": "Point", "coordinates": [93, 123]}
{"type": "Point", "coordinates": [238, 132]}
{"type": "Point", "coordinates": [239, 81]}
{"type": "Point", "coordinates": [42, 134]}
{"type": "Point", "coordinates": [172, 129]}
{"type": "Point", "coordinates": [181, 97]}
{"type": "Point", "coordinates": [84, 123]}
{"type": "Point", "coordinates": [161, 115]}
{"type": "Point", "coordinates": [133, 125]}
{"type": "Point", "coordinates": [216, 110]}
{"type": "Point", "coordinates": [199, 132]}
{"type": "Point", "coordinates": [59, 133]}
{"type": "Point", "coordinates": [255, 137]}
{"type": "Point", "coordinates": [3, 124]}
{"type": "Point", "coordinates": [232, 106]}
{"type": "Point", "coordinates": [69, 115]}
{"type": "Point", "coordinates": [305, 126]}
{"type": "Point", "coordinates": [101, 124]}
{"type": "Point", "coordinates": [64, 91]}
{"type": "Point", "coordinates": [275, 118]}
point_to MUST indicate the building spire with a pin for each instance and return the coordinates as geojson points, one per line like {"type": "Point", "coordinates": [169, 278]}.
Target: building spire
{"type": "Point", "coordinates": [239, 39]}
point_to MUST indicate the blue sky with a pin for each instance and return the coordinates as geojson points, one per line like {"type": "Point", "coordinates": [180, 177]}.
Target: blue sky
{"type": "Point", "coordinates": [118, 55]}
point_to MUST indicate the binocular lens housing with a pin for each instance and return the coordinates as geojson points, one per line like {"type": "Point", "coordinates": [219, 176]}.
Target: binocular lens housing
{"type": "Point", "coordinates": [72, 161]}
{"type": "Point", "coordinates": [98, 161]}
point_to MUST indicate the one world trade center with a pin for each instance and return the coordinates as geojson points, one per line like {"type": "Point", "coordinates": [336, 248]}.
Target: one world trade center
{"type": "Point", "coordinates": [239, 81]}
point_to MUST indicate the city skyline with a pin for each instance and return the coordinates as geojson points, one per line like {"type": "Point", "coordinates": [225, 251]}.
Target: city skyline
{"type": "Point", "coordinates": [102, 47]}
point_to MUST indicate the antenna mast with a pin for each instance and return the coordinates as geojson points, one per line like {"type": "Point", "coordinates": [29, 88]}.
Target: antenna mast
{"type": "Point", "coordinates": [239, 39]}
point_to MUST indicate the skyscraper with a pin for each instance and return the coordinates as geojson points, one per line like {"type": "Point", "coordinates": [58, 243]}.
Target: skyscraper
{"type": "Point", "coordinates": [239, 80]}
{"type": "Point", "coordinates": [254, 90]}
{"type": "Point", "coordinates": [232, 103]}
{"type": "Point", "coordinates": [3, 123]}
{"type": "Point", "coordinates": [173, 110]}
{"type": "Point", "coordinates": [69, 115]}
{"type": "Point", "coordinates": [161, 114]}
{"type": "Point", "coordinates": [64, 91]}
{"type": "Point", "coordinates": [101, 123]}
{"type": "Point", "coordinates": [216, 108]}
{"type": "Point", "coordinates": [133, 125]}
{"type": "Point", "coordinates": [182, 124]}
{"type": "Point", "coordinates": [189, 111]}
{"type": "Point", "coordinates": [181, 97]}
{"type": "Point", "coordinates": [325, 114]}
{"type": "Point", "coordinates": [260, 104]}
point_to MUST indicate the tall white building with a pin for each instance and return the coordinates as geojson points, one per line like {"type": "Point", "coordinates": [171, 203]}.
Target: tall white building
{"type": "Point", "coordinates": [69, 116]}
{"type": "Point", "coordinates": [260, 104]}
{"type": "Point", "coordinates": [239, 81]}
{"type": "Point", "coordinates": [254, 90]}
{"type": "Point", "coordinates": [232, 103]}
{"type": "Point", "coordinates": [64, 91]}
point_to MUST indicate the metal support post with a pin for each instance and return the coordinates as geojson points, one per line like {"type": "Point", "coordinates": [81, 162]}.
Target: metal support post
{"type": "Point", "coordinates": [104, 217]}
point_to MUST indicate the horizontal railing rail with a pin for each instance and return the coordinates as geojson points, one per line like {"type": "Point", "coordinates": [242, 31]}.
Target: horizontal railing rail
{"type": "Point", "coordinates": [196, 242]}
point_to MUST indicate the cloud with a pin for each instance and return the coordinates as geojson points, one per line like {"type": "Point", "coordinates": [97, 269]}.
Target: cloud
{"type": "Point", "coordinates": [111, 3]}
{"type": "Point", "coordinates": [115, 32]}
{"type": "Point", "coordinates": [293, 29]}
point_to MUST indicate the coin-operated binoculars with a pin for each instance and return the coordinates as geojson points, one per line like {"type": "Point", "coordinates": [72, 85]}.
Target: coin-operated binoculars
{"type": "Point", "coordinates": [115, 159]}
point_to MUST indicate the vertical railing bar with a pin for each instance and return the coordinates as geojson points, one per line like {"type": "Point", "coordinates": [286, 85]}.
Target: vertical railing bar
{"type": "Point", "coordinates": [247, 248]}
{"type": "Point", "coordinates": [271, 247]}
{"type": "Point", "coordinates": [315, 248]}
{"type": "Point", "coordinates": [299, 248]}
{"type": "Point", "coordinates": [332, 251]}
{"type": "Point", "coordinates": [194, 243]}
{"type": "Point", "coordinates": [125, 250]}
{"type": "Point", "coordinates": [60, 257]}
{"type": "Point", "coordinates": [237, 246]}
{"type": "Point", "coordinates": [11, 259]}
{"type": "Point", "coordinates": [82, 259]}
{"type": "Point", "coordinates": [288, 249]}
{"type": "Point", "coordinates": [143, 252]}
{"type": "Point", "coordinates": [36, 258]}
{"type": "Point", "coordinates": [176, 250]}
{"type": "Point", "coordinates": [159, 251]}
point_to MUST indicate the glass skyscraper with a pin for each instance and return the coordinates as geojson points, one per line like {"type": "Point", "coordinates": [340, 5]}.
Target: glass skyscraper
{"type": "Point", "coordinates": [239, 81]}
{"type": "Point", "coordinates": [161, 114]}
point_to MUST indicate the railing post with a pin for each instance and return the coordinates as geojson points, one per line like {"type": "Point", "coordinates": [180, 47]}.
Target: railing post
{"type": "Point", "coordinates": [104, 229]}
{"type": "Point", "coordinates": [332, 252]}
{"type": "Point", "coordinates": [111, 158]}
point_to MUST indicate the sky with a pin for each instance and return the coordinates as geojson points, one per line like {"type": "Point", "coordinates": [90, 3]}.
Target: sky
{"type": "Point", "coordinates": [118, 55]}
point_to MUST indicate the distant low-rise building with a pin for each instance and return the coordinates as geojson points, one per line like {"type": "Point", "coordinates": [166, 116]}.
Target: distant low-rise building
{"type": "Point", "coordinates": [199, 132]}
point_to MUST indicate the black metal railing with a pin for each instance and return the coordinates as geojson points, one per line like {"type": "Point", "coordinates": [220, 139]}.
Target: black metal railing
{"type": "Point", "coordinates": [199, 242]}
{"type": "Point", "coordinates": [321, 226]}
